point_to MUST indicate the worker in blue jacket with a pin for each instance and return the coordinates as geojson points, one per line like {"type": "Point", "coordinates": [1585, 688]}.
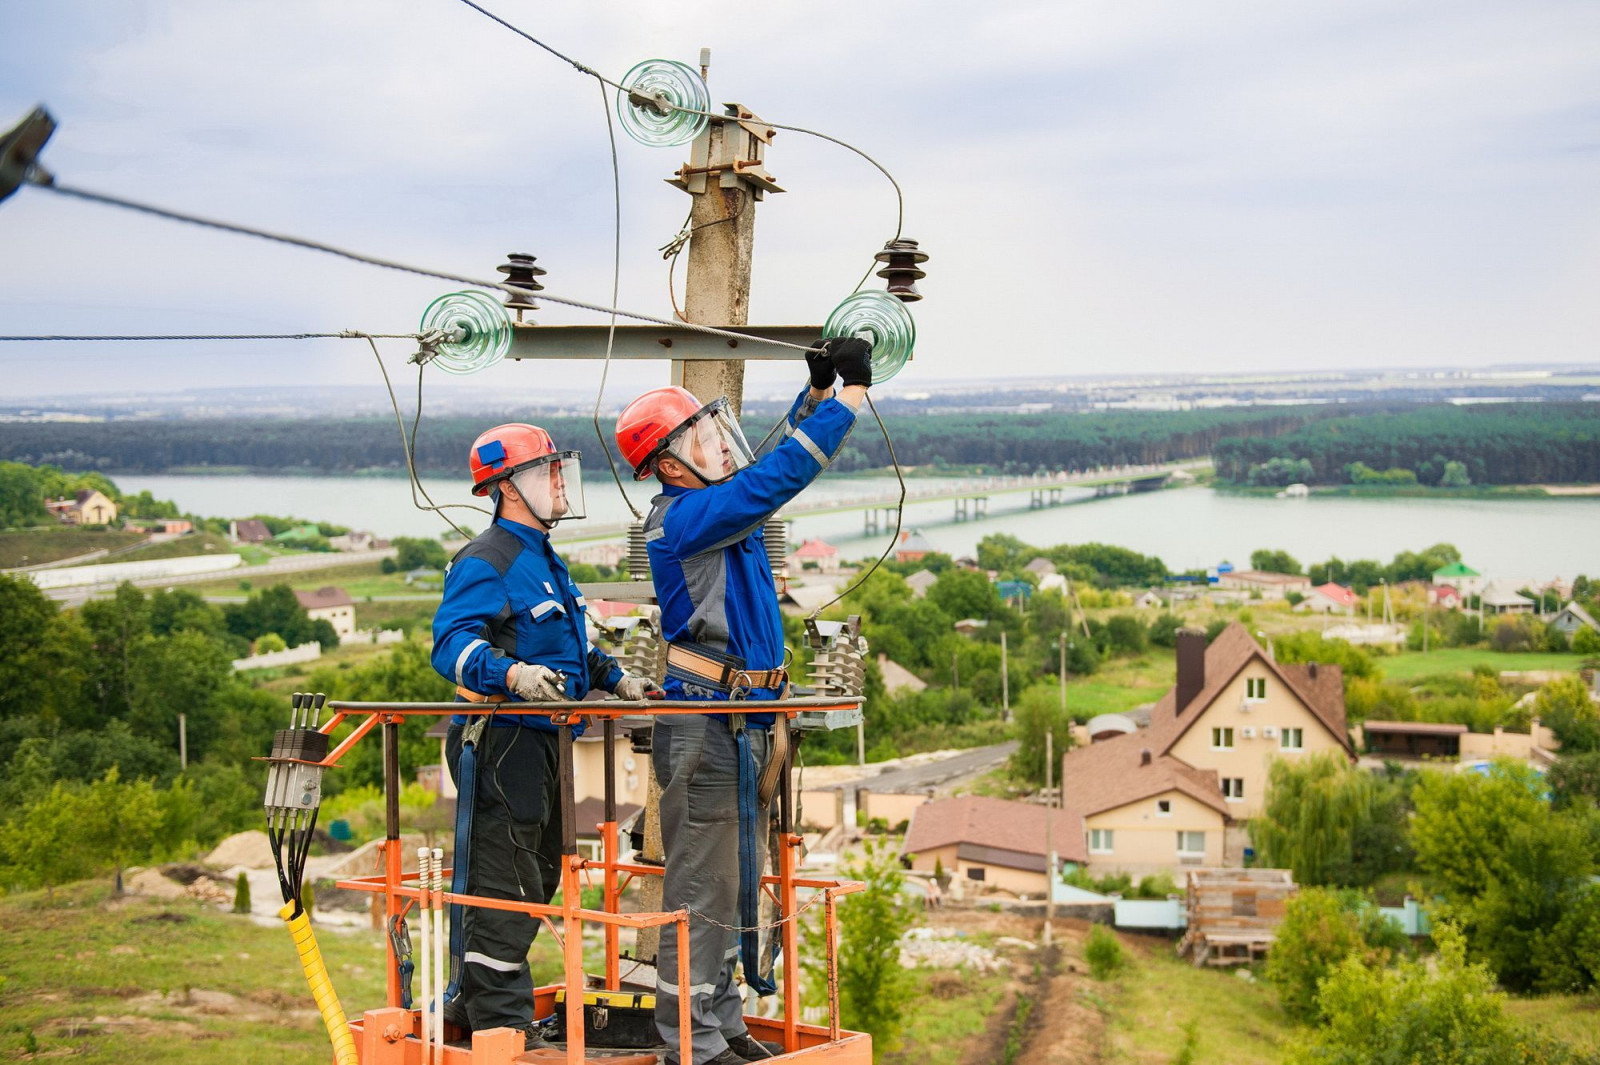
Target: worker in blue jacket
{"type": "Point", "coordinates": [511, 628]}
{"type": "Point", "coordinates": [719, 616]}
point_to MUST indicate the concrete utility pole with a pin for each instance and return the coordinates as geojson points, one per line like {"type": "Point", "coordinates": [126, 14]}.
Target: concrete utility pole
{"type": "Point", "coordinates": [724, 179]}
{"type": "Point", "coordinates": [1063, 642]}
{"type": "Point", "coordinates": [1005, 680]}
{"type": "Point", "coordinates": [183, 741]}
{"type": "Point", "coordinates": [1049, 835]}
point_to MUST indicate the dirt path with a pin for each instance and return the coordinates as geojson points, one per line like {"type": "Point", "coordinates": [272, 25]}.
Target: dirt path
{"type": "Point", "coordinates": [1064, 1026]}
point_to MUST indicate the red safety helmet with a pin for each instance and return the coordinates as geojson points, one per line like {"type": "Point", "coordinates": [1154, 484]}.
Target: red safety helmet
{"type": "Point", "coordinates": [644, 426]}
{"type": "Point", "coordinates": [503, 450]}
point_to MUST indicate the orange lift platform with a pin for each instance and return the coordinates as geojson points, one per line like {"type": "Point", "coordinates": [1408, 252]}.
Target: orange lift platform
{"type": "Point", "coordinates": [393, 1034]}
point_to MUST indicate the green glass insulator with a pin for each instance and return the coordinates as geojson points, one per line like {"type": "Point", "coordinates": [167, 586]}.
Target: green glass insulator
{"type": "Point", "coordinates": [882, 321]}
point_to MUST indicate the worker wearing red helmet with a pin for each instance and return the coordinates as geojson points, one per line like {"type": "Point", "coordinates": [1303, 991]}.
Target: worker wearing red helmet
{"type": "Point", "coordinates": [719, 615]}
{"type": "Point", "coordinates": [511, 627]}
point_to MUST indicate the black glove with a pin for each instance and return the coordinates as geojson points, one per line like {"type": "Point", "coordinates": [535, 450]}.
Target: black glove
{"type": "Point", "coordinates": [820, 363]}
{"type": "Point", "coordinates": [852, 357]}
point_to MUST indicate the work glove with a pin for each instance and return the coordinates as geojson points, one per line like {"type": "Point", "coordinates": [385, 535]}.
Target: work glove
{"type": "Point", "coordinates": [820, 363]}
{"type": "Point", "coordinates": [533, 683]}
{"type": "Point", "coordinates": [633, 688]}
{"type": "Point", "coordinates": [852, 358]}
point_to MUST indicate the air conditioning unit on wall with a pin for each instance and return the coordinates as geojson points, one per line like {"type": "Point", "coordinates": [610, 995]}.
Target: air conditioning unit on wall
{"type": "Point", "coordinates": [1248, 732]}
{"type": "Point", "coordinates": [1270, 732]}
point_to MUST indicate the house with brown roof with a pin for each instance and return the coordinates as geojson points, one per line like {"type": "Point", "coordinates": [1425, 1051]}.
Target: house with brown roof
{"type": "Point", "coordinates": [249, 531]}
{"type": "Point", "coordinates": [333, 605]}
{"type": "Point", "coordinates": [1179, 792]}
{"type": "Point", "coordinates": [992, 843]}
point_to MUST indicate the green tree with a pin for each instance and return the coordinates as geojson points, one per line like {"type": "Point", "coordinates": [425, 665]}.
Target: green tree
{"type": "Point", "coordinates": [1586, 641]}
{"type": "Point", "coordinates": [1443, 1012]}
{"type": "Point", "coordinates": [874, 989]}
{"type": "Point", "coordinates": [412, 553]}
{"type": "Point", "coordinates": [1274, 561]}
{"type": "Point", "coordinates": [1455, 475]}
{"type": "Point", "coordinates": [1320, 929]}
{"type": "Point", "coordinates": [1564, 705]}
{"type": "Point", "coordinates": [1125, 634]}
{"type": "Point", "coordinates": [1509, 865]}
{"type": "Point", "coordinates": [963, 593]}
{"type": "Point", "coordinates": [1575, 778]}
{"type": "Point", "coordinates": [241, 894]}
{"type": "Point", "coordinates": [1316, 809]}
{"type": "Point", "coordinates": [1038, 712]}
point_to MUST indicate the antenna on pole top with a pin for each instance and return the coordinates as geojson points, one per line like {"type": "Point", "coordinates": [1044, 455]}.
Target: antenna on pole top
{"type": "Point", "coordinates": [705, 63]}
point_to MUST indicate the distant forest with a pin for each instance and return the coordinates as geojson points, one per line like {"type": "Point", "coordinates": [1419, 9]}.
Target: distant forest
{"type": "Point", "coordinates": [1487, 444]}
{"type": "Point", "coordinates": [1507, 443]}
{"type": "Point", "coordinates": [1007, 442]}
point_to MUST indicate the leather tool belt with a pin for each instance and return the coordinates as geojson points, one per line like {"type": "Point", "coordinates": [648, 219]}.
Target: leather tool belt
{"type": "Point", "coordinates": [721, 673]}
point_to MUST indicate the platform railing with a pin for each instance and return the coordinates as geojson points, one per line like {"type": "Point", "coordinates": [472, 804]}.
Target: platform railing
{"type": "Point", "coordinates": [401, 892]}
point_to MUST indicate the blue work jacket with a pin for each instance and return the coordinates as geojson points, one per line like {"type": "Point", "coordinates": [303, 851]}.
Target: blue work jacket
{"type": "Point", "coordinates": [708, 554]}
{"type": "Point", "coordinates": [509, 598]}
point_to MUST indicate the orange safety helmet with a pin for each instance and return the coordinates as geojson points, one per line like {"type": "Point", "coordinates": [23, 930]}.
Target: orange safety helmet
{"type": "Point", "coordinates": [644, 426]}
{"type": "Point", "coordinates": [501, 451]}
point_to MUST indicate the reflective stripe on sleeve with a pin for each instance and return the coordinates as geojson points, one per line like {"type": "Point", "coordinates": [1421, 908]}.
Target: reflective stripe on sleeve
{"type": "Point", "coordinates": [811, 446]}
{"type": "Point", "coordinates": [461, 659]}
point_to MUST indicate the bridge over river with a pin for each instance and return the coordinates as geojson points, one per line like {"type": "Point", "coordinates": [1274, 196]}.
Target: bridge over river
{"type": "Point", "coordinates": [969, 499]}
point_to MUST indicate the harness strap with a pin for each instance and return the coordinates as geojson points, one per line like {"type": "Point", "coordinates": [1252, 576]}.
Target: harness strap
{"type": "Point", "coordinates": [721, 673]}
{"type": "Point", "coordinates": [749, 868]}
{"type": "Point", "coordinates": [466, 801]}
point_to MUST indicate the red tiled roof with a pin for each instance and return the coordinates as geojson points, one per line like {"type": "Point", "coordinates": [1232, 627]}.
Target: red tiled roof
{"type": "Point", "coordinates": [1338, 593]}
{"type": "Point", "coordinates": [988, 822]}
{"type": "Point", "coordinates": [816, 549]}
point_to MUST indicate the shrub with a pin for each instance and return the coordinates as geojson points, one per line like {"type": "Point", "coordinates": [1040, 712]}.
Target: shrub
{"type": "Point", "coordinates": [1320, 929]}
{"type": "Point", "coordinates": [241, 894]}
{"type": "Point", "coordinates": [1103, 952]}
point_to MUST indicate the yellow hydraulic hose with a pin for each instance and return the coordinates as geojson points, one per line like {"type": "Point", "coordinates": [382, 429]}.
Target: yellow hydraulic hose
{"type": "Point", "coordinates": [305, 941]}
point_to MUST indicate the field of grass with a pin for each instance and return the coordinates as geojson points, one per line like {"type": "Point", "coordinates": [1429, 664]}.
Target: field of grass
{"type": "Point", "coordinates": [1574, 1019]}
{"type": "Point", "coordinates": [1150, 1001]}
{"type": "Point", "coordinates": [938, 1035]}
{"type": "Point", "coordinates": [199, 543]}
{"type": "Point", "coordinates": [175, 982]}
{"type": "Point", "coordinates": [360, 579]}
{"type": "Point", "coordinates": [27, 547]}
{"type": "Point", "coordinates": [1122, 684]}
{"type": "Point", "coordinates": [1414, 664]}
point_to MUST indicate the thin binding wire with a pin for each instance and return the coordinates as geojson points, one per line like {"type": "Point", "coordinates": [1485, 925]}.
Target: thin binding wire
{"type": "Point", "coordinates": [616, 283]}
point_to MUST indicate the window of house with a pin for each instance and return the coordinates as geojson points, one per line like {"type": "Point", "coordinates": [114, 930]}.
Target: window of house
{"type": "Point", "coordinates": [1292, 739]}
{"type": "Point", "coordinates": [1233, 788]}
{"type": "Point", "coordinates": [1100, 841]}
{"type": "Point", "coordinates": [1255, 687]}
{"type": "Point", "coordinates": [1222, 739]}
{"type": "Point", "coordinates": [1163, 807]}
{"type": "Point", "coordinates": [1191, 844]}
{"type": "Point", "coordinates": [975, 872]}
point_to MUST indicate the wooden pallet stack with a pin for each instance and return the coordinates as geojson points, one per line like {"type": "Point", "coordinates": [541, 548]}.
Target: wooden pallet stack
{"type": "Point", "coordinates": [1233, 914]}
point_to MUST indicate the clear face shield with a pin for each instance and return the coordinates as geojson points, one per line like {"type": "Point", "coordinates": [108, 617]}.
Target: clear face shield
{"type": "Point", "coordinates": [552, 487]}
{"type": "Point", "coordinates": [711, 444]}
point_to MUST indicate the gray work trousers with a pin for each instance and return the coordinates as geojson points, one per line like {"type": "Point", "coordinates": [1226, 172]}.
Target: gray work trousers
{"type": "Point", "coordinates": [696, 763]}
{"type": "Point", "coordinates": [514, 853]}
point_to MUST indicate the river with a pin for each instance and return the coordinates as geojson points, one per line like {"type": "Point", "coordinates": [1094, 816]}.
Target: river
{"type": "Point", "coordinates": [1187, 528]}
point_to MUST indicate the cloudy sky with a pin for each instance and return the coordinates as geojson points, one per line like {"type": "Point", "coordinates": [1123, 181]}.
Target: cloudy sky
{"type": "Point", "coordinates": [1104, 187]}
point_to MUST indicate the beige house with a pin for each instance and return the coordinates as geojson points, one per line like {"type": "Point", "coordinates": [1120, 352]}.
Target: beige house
{"type": "Point", "coordinates": [89, 507]}
{"type": "Point", "coordinates": [1178, 792]}
{"type": "Point", "coordinates": [1270, 585]}
{"type": "Point", "coordinates": [333, 605]}
{"type": "Point", "coordinates": [990, 843]}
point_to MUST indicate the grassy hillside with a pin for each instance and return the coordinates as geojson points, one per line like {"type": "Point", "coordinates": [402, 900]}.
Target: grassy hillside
{"type": "Point", "coordinates": [28, 547]}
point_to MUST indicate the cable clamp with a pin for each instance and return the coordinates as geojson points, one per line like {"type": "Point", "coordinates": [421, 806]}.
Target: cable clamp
{"type": "Point", "coordinates": [675, 245]}
{"type": "Point", "coordinates": [428, 346]}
